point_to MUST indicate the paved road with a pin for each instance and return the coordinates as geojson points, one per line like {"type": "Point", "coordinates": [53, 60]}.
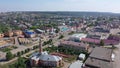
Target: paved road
{"type": "Point", "coordinates": [2, 63]}
{"type": "Point", "coordinates": [116, 63]}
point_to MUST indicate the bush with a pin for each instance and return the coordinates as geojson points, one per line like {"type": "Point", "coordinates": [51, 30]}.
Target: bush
{"type": "Point", "coordinates": [9, 55]}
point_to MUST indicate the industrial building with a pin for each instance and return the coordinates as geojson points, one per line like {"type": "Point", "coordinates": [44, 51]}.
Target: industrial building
{"type": "Point", "coordinates": [77, 37]}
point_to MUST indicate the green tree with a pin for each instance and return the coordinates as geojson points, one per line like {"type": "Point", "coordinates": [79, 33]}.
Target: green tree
{"type": "Point", "coordinates": [18, 53]}
{"type": "Point", "coordinates": [9, 55]}
{"type": "Point", "coordinates": [61, 36]}
{"type": "Point", "coordinates": [57, 30]}
{"type": "Point", "coordinates": [21, 63]}
{"type": "Point", "coordinates": [101, 43]}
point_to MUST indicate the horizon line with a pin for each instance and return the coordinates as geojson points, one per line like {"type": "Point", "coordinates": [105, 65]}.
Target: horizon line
{"type": "Point", "coordinates": [58, 11]}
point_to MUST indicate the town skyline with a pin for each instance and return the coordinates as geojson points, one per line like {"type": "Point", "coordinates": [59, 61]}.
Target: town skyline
{"type": "Point", "coordinates": [60, 5]}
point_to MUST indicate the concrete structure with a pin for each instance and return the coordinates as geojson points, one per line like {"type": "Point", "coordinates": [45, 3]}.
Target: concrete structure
{"type": "Point", "coordinates": [77, 37]}
{"type": "Point", "coordinates": [44, 59]}
{"type": "Point", "coordinates": [74, 45]}
{"type": "Point", "coordinates": [24, 40]}
{"type": "Point", "coordinates": [9, 34]}
{"type": "Point", "coordinates": [81, 57]}
{"type": "Point", "coordinates": [76, 64]}
{"type": "Point", "coordinates": [29, 33]}
{"type": "Point", "coordinates": [40, 31]}
{"type": "Point", "coordinates": [17, 32]}
{"type": "Point", "coordinates": [99, 58]}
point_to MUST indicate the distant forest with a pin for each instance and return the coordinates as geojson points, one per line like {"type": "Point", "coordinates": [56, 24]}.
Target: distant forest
{"type": "Point", "coordinates": [70, 13]}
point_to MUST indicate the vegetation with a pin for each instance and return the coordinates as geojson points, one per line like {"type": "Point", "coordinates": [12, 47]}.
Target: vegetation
{"type": "Point", "coordinates": [101, 43]}
{"type": "Point", "coordinates": [5, 49]}
{"type": "Point", "coordinates": [50, 41]}
{"type": "Point", "coordinates": [4, 28]}
{"type": "Point", "coordinates": [68, 51]}
{"type": "Point", "coordinates": [57, 30]}
{"type": "Point", "coordinates": [9, 55]}
{"type": "Point", "coordinates": [61, 36]}
{"type": "Point", "coordinates": [19, 64]}
{"type": "Point", "coordinates": [72, 32]}
{"type": "Point", "coordinates": [35, 47]}
{"type": "Point", "coordinates": [51, 49]}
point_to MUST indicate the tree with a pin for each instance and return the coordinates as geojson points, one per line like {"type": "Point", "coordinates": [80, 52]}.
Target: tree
{"type": "Point", "coordinates": [101, 43]}
{"type": "Point", "coordinates": [18, 53]}
{"type": "Point", "coordinates": [21, 63]}
{"type": "Point", "coordinates": [57, 30]}
{"type": "Point", "coordinates": [61, 36]}
{"type": "Point", "coordinates": [9, 55]}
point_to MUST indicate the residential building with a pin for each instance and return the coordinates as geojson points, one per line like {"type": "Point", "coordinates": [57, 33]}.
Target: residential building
{"type": "Point", "coordinates": [1, 35]}
{"type": "Point", "coordinates": [17, 32]}
{"type": "Point", "coordinates": [99, 58]}
{"type": "Point", "coordinates": [9, 34]}
{"type": "Point", "coordinates": [29, 33]}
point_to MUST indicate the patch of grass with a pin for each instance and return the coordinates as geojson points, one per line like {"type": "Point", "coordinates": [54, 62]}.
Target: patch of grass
{"type": "Point", "coordinates": [70, 59]}
{"type": "Point", "coordinates": [6, 49]}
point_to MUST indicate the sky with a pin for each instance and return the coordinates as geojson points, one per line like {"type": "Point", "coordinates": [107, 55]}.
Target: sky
{"type": "Point", "coordinates": [60, 5]}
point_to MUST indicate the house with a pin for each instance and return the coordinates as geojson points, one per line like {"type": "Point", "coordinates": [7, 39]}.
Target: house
{"type": "Point", "coordinates": [1, 35]}
{"type": "Point", "coordinates": [17, 32]}
{"type": "Point", "coordinates": [29, 33]}
{"type": "Point", "coordinates": [9, 33]}
{"type": "Point", "coordinates": [74, 45]}
{"type": "Point", "coordinates": [99, 58]}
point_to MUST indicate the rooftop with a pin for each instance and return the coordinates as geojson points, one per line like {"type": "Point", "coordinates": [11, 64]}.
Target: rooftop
{"type": "Point", "coordinates": [101, 53]}
{"type": "Point", "coordinates": [98, 63]}
{"type": "Point", "coordinates": [77, 64]}
{"type": "Point", "coordinates": [73, 43]}
{"type": "Point", "coordinates": [45, 57]}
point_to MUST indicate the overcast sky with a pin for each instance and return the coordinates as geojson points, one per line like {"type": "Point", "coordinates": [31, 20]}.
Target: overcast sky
{"type": "Point", "coordinates": [60, 5]}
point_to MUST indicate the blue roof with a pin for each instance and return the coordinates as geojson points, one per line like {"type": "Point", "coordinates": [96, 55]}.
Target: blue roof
{"type": "Point", "coordinates": [29, 32]}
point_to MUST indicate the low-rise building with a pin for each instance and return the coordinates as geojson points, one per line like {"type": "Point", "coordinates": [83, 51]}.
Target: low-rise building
{"type": "Point", "coordinates": [17, 32]}
{"type": "Point", "coordinates": [74, 45]}
{"type": "Point", "coordinates": [77, 37]}
{"type": "Point", "coordinates": [9, 34]}
{"type": "Point", "coordinates": [99, 58]}
{"type": "Point", "coordinates": [29, 33]}
{"type": "Point", "coordinates": [1, 35]}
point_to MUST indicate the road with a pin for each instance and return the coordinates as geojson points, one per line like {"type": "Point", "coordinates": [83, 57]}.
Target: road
{"type": "Point", "coordinates": [14, 59]}
{"type": "Point", "coordinates": [22, 47]}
